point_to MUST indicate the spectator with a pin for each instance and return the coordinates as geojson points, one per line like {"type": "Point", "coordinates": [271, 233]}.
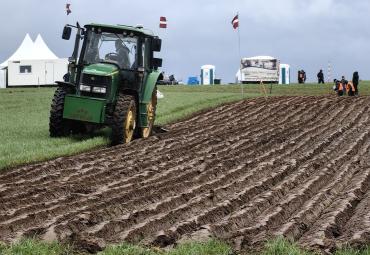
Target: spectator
{"type": "Point", "coordinates": [355, 81]}
{"type": "Point", "coordinates": [338, 87]}
{"type": "Point", "coordinates": [344, 83]}
{"type": "Point", "coordinates": [301, 76]}
{"type": "Point", "coordinates": [350, 88]}
{"type": "Point", "coordinates": [304, 76]}
{"type": "Point", "coordinates": [320, 77]}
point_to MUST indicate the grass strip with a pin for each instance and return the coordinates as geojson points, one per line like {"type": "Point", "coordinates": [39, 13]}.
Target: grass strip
{"type": "Point", "coordinates": [278, 246]}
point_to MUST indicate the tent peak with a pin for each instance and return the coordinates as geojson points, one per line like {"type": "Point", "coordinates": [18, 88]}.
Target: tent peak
{"type": "Point", "coordinates": [31, 50]}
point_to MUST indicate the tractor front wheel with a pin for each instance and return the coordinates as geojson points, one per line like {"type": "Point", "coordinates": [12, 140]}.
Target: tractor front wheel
{"type": "Point", "coordinates": [124, 120]}
{"type": "Point", "coordinates": [57, 125]}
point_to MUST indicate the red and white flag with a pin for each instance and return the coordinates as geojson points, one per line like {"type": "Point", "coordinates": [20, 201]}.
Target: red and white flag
{"type": "Point", "coordinates": [68, 10]}
{"type": "Point", "coordinates": [235, 22]}
{"type": "Point", "coordinates": [162, 22]}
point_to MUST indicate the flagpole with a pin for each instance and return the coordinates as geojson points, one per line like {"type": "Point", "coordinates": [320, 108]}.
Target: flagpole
{"type": "Point", "coordinates": [162, 34]}
{"type": "Point", "coordinates": [240, 56]}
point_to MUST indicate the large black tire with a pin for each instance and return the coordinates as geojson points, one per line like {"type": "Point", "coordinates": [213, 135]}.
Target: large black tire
{"type": "Point", "coordinates": [151, 113]}
{"type": "Point", "coordinates": [58, 126]}
{"type": "Point", "coordinates": [124, 120]}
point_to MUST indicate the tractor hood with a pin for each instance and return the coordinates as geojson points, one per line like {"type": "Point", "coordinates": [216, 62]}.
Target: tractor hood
{"type": "Point", "coordinates": [103, 69]}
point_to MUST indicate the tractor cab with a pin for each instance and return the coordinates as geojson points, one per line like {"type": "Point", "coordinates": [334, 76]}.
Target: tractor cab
{"type": "Point", "coordinates": [111, 82]}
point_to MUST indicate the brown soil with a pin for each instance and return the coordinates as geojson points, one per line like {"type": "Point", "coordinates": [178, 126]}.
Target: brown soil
{"type": "Point", "coordinates": [244, 173]}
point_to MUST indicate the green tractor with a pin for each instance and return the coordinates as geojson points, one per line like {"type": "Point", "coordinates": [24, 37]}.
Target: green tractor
{"type": "Point", "coordinates": [111, 81]}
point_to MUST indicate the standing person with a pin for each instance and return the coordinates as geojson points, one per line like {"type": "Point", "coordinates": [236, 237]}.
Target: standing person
{"type": "Point", "coordinates": [355, 81]}
{"type": "Point", "coordinates": [344, 83]}
{"type": "Point", "coordinates": [300, 77]}
{"type": "Point", "coordinates": [320, 77]}
{"type": "Point", "coordinates": [304, 76]}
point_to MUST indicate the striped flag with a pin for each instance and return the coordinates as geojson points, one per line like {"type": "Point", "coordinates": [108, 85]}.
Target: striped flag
{"type": "Point", "coordinates": [68, 10]}
{"type": "Point", "coordinates": [235, 22]}
{"type": "Point", "coordinates": [163, 22]}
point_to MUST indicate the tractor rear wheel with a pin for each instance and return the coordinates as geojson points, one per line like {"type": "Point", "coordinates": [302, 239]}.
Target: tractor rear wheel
{"type": "Point", "coordinates": [57, 125]}
{"type": "Point", "coordinates": [124, 120]}
{"type": "Point", "coordinates": [151, 108]}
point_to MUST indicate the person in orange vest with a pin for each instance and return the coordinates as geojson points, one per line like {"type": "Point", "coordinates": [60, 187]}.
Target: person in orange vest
{"type": "Point", "coordinates": [350, 88]}
{"type": "Point", "coordinates": [338, 87]}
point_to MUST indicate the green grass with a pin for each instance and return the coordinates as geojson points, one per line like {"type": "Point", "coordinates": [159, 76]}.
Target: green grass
{"type": "Point", "coordinates": [24, 129]}
{"type": "Point", "coordinates": [212, 247]}
{"type": "Point", "coordinates": [353, 251]}
{"type": "Point", "coordinates": [24, 116]}
{"type": "Point", "coordinates": [278, 246]}
{"type": "Point", "coordinates": [281, 246]}
{"type": "Point", "coordinates": [35, 247]}
{"type": "Point", "coordinates": [177, 105]}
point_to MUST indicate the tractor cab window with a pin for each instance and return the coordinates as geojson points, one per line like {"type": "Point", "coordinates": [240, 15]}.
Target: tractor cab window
{"type": "Point", "coordinates": [110, 47]}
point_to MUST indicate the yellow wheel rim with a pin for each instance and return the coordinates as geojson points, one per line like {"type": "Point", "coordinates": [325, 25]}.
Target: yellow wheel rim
{"type": "Point", "coordinates": [129, 126]}
{"type": "Point", "coordinates": [150, 118]}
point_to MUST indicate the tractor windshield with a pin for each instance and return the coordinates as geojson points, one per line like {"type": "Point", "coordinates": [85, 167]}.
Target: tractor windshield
{"type": "Point", "coordinates": [110, 47]}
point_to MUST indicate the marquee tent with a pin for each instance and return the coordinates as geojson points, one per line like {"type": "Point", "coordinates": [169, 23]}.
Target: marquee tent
{"type": "Point", "coordinates": [33, 64]}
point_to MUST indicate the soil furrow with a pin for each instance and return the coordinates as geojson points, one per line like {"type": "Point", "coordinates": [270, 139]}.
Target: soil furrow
{"type": "Point", "coordinates": [243, 172]}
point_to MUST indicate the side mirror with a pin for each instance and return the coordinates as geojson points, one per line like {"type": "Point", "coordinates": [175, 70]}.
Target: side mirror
{"type": "Point", "coordinates": [66, 33]}
{"type": "Point", "coordinates": [156, 44]}
{"type": "Point", "coordinates": [156, 62]}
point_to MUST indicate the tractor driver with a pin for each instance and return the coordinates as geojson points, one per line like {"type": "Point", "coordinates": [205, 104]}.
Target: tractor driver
{"type": "Point", "coordinates": [122, 54]}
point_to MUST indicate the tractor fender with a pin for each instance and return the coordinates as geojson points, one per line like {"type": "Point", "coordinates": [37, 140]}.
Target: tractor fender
{"type": "Point", "coordinates": [146, 96]}
{"type": "Point", "coordinates": [149, 85]}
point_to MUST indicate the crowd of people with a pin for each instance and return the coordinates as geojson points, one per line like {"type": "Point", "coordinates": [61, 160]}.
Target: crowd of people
{"type": "Point", "coordinates": [343, 87]}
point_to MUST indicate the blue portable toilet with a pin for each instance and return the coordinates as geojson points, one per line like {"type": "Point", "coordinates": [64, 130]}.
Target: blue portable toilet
{"type": "Point", "coordinates": [193, 80]}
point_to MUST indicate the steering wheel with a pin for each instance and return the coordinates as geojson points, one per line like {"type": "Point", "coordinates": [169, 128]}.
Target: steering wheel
{"type": "Point", "coordinates": [111, 56]}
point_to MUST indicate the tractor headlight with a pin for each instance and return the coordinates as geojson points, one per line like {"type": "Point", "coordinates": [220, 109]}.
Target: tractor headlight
{"type": "Point", "coordinates": [85, 88]}
{"type": "Point", "coordinates": [99, 90]}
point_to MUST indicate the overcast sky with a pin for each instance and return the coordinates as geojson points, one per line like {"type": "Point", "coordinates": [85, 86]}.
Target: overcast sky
{"type": "Point", "coordinates": [306, 34]}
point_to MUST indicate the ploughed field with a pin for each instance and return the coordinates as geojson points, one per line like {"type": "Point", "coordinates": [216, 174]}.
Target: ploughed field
{"type": "Point", "coordinates": [243, 173]}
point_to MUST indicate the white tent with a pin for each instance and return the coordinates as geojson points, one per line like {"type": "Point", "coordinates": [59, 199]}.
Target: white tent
{"type": "Point", "coordinates": [42, 50]}
{"type": "Point", "coordinates": [25, 51]}
{"type": "Point", "coordinates": [2, 78]}
{"type": "Point", "coordinates": [33, 63]}
{"type": "Point", "coordinates": [29, 50]}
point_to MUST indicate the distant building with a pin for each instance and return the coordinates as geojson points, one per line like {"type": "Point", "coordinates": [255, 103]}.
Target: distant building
{"type": "Point", "coordinates": [32, 64]}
